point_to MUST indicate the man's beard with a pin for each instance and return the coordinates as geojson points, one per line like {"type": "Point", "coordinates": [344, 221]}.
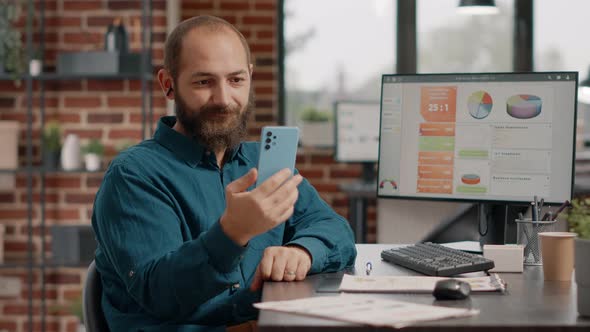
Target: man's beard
{"type": "Point", "coordinates": [215, 133]}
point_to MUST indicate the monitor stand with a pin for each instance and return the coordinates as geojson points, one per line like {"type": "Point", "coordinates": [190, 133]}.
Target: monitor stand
{"type": "Point", "coordinates": [369, 176]}
{"type": "Point", "coordinates": [496, 222]}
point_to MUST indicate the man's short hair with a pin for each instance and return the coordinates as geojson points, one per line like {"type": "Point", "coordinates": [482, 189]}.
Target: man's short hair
{"type": "Point", "coordinates": [173, 47]}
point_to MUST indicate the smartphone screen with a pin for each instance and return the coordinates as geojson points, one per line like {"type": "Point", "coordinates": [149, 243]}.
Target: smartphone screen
{"type": "Point", "coordinates": [278, 150]}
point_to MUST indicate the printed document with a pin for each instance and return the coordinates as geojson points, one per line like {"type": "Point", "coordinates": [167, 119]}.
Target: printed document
{"type": "Point", "coordinates": [414, 284]}
{"type": "Point", "coordinates": [362, 309]}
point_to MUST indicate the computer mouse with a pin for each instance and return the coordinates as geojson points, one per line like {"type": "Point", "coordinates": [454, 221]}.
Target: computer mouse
{"type": "Point", "coordinates": [451, 289]}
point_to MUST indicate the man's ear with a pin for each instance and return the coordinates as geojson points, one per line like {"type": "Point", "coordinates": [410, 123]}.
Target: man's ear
{"type": "Point", "coordinates": [166, 83]}
{"type": "Point", "coordinates": [251, 66]}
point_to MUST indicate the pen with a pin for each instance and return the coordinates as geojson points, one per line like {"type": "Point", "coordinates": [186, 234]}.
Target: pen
{"type": "Point", "coordinates": [369, 267]}
{"type": "Point", "coordinates": [561, 207]}
{"type": "Point", "coordinates": [534, 211]}
{"type": "Point", "coordinates": [540, 208]}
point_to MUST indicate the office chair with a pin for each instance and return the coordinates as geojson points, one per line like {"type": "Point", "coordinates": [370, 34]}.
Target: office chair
{"type": "Point", "coordinates": [93, 316]}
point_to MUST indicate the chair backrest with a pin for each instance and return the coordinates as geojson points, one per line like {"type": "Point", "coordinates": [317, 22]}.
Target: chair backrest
{"type": "Point", "coordinates": [92, 295]}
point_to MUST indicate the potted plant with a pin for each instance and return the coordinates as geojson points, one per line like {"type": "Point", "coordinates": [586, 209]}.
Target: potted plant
{"type": "Point", "coordinates": [51, 144]}
{"type": "Point", "coordinates": [317, 128]}
{"type": "Point", "coordinates": [578, 219]}
{"type": "Point", "coordinates": [93, 152]}
{"type": "Point", "coordinates": [12, 58]}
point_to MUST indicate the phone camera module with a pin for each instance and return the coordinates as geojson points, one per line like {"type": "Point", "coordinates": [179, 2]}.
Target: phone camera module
{"type": "Point", "coordinates": [269, 134]}
{"type": "Point", "coordinates": [268, 140]}
{"type": "Point", "coordinates": [267, 147]}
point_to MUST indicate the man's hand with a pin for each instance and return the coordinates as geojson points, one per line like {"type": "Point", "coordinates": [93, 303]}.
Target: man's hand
{"type": "Point", "coordinates": [282, 264]}
{"type": "Point", "coordinates": [252, 213]}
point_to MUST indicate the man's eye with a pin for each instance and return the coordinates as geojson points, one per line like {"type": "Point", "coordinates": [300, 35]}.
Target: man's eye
{"type": "Point", "coordinates": [236, 79]}
{"type": "Point", "coordinates": [202, 82]}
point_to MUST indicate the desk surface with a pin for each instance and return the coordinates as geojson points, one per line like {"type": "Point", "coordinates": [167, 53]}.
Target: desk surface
{"type": "Point", "coordinates": [529, 304]}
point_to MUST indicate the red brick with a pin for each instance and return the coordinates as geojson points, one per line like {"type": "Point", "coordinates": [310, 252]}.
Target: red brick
{"type": "Point", "coordinates": [125, 133]}
{"type": "Point", "coordinates": [345, 173]}
{"type": "Point", "coordinates": [123, 5]}
{"type": "Point", "coordinates": [261, 48]}
{"type": "Point", "coordinates": [13, 214]}
{"type": "Point", "coordinates": [124, 101]}
{"type": "Point", "coordinates": [50, 326]}
{"type": "Point", "coordinates": [137, 117]}
{"type": "Point", "coordinates": [312, 173]}
{"type": "Point", "coordinates": [263, 34]}
{"type": "Point", "coordinates": [105, 118]}
{"type": "Point", "coordinates": [7, 198]}
{"type": "Point", "coordinates": [79, 198]}
{"type": "Point", "coordinates": [62, 86]}
{"type": "Point", "coordinates": [94, 85]}
{"type": "Point", "coordinates": [49, 198]}
{"type": "Point", "coordinates": [263, 76]}
{"type": "Point", "coordinates": [56, 181]}
{"type": "Point", "coordinates": [261, 20]}
{"type": "Point", "coordinates": [49, 102]}
{"type": "Point", "coordinates": [326, 187]}
{"type": "Point", "coordinates": [7, 102]}
{"type": "Point", "coordinates": [82, 37]}
{"type": "Point", "coordinates": [62, 214]}
{"type": "Point", "coordinates": [99, 21]}
{"type": "Point", "coordinates": [261, 90]}
{"type": "Point", "coordinates": [234, 5]}
{"type": "Point", "coordinates": [265, 6]}
{"type": "Point", "coordinates": [340, 202]}
{"type": "Point", "coordinates": [93, 181]}
{"type": "Point", "coordinates": [17, 245]}
{"type": "Point", "coordinates": [7, 324]}
{"type": "Point", "coordinates": [82, 5]}
{"type": "Point", "coordinates": [68, 118]}
{"type": "Point", "coordinates": [187, 6]}
{"type": "Point", "coordinates": [10, 86]}
{"type": "Point", "coordinates": [19, 309]}
{"type": "Point", "coordinates": [319, 159]}
{"type": "Point", "coordinates": [50, 294]}
{"type": "Point", "coordinates": [82, 102]}
{"type": "Point", "coordinates": [20, 117]}
{"type": "Point", "coordinates": [62, 278]}
{"type": "Point", "coordinates": [88, 133]}
{"type": "Point", "coordinates": [61, 21]}
{"type": "Point", "coordinates": [72, 294]}
{"type": "Point", "coordinates": [48, 37]}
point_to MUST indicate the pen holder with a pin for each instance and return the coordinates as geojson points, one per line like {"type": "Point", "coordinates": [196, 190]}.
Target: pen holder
{"type": "Point", "coordinates": [528, 236]}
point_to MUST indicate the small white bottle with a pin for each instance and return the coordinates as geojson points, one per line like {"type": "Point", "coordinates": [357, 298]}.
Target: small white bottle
{"type": "Point", "coordinates": [70, 153]}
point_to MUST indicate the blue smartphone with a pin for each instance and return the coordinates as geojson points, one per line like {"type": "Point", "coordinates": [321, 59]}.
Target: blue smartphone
{"type": "Point", "coordinates": [278, 150]}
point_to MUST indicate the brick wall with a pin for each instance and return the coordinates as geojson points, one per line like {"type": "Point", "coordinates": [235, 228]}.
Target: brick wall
{"type": "Point", "coordinates": [110, 111]}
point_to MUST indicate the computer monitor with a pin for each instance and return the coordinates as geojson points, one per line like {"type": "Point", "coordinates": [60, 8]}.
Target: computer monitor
{"type": "Point", "coordinates": [357, 134]}
{"type": "Point", "coordinates": [483, 138]}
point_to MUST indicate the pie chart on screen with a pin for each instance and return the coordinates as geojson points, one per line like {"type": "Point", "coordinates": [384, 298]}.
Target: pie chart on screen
{"type": "Point", "coordinates": [524, 106]}
{"type": "Point", "coordinates": [480, 104]}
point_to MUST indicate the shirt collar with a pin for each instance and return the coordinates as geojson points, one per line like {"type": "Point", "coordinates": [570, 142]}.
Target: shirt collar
{"type": "Point", "coordinates": [190, 150]}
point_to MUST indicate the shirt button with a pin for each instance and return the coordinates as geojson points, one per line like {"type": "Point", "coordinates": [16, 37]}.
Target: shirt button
{"type": "Point", "coordinates": [131, 274]}
{"type": "Point", "coordinates": [235, 286]}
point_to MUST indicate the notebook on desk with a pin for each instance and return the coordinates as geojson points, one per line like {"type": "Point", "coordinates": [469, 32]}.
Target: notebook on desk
{"type": "Point", "coordinates": [414, 284]}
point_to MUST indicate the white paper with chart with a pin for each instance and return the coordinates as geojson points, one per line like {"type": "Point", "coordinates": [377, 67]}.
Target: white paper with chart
{"type": "Point", "coordinates": [368, 310]}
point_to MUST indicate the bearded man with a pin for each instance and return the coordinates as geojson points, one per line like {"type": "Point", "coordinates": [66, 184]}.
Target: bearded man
{"type": "Point", "coordinates": [184, 240]}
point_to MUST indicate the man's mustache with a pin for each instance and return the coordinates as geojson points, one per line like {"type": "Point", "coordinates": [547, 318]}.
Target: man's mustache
{"type": "Point", "coordinates": [215, 109]}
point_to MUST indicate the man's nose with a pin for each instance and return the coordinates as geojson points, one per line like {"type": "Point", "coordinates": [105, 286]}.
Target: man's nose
{"type": "Point", "coordinates": [221, 94]}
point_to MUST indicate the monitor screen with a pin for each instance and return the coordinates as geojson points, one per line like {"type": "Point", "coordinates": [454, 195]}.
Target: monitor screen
{"type": "Point", "coordinates": [501, 137]}
{"type": "Point", "coordinates": [357, 131]}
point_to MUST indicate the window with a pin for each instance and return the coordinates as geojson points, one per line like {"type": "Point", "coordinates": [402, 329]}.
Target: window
{"type": "Point", "coordinates": [335, 50]}
{"type": "Point", "coordinates": [450, 42]}
{"type": "Point", "coordinates": [561, 44]}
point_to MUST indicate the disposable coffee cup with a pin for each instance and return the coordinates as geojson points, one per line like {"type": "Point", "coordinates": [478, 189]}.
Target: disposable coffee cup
{"type": "Point", "coordinates": [557, 250]}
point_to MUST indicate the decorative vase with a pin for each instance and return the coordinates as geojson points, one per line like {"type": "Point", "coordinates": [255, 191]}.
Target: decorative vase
{"type": "Point", "coordinates": [70, 153]}
{"type": "Point", "coordinates": [35, 67]}
{"type": "Point", "coordinates": [92, 161]}
{"type": "Point", "coordinates": [582, 270]}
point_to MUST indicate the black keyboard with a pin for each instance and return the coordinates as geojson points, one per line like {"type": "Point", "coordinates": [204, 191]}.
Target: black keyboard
{"type": "Point", "coordinates": [436, 260]}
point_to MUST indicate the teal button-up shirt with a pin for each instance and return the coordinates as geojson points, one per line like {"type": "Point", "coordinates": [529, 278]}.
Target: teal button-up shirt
{"type": "Point", "coordinates": [164, 261]}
